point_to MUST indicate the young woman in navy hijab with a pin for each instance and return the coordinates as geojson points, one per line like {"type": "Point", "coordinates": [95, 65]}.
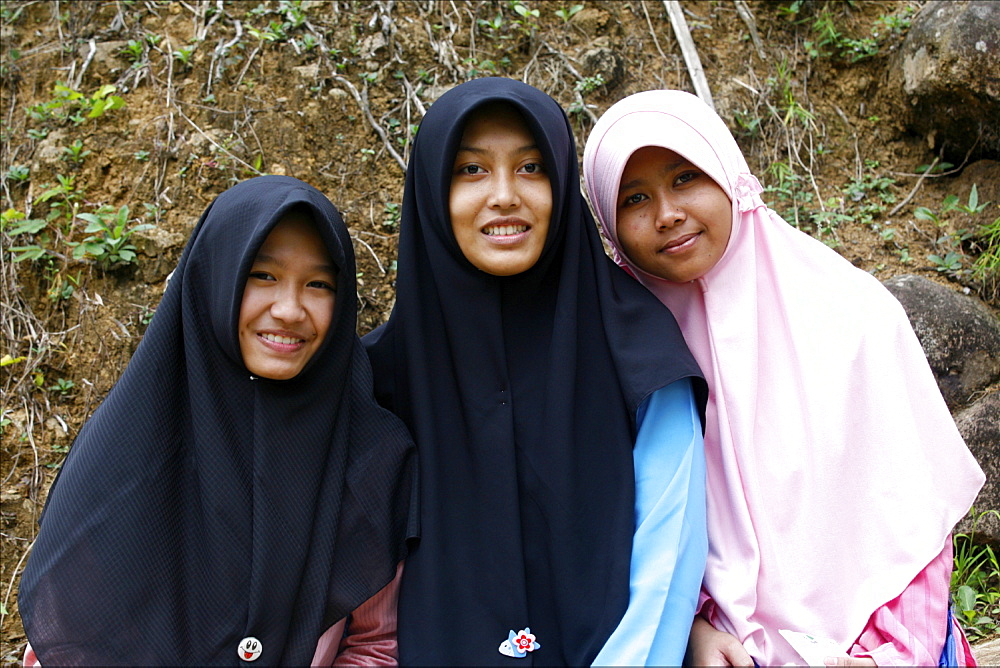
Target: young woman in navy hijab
{"type": "Point", "coordinates": [239, 491]}
{"type": "Point", "coordinates": [524, 363]}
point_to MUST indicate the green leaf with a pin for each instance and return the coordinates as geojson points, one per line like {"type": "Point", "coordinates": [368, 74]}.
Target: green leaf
{"type": "Point", "coordinates": [30, 226]}
{"type": "Point", "coordinates": [27, 252]}
{"type": "Point", "coordinates": [66, 92]}
{"type": "Point", "coordinates": [103, 92]}
{"type": "Point", "coordinates": [966, 598]}
{"type": "Point", "coordinates": [974, 197]}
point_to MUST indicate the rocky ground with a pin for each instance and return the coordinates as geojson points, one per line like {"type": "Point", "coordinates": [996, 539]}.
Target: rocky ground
{"type": "Point", "coordinates": [159, 106]}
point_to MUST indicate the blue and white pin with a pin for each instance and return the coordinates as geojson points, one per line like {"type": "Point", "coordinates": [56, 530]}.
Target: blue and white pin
{"type": "Point", "coordinates": [519, 644]}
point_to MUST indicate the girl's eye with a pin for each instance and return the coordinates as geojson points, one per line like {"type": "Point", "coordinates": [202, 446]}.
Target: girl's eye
{"type": "Point", "coordinates": [687, 177]}
{"type": "Point", "coordinates": [323, 285]}
{"type": "Point", "coordinates": [634, 198]}
{"type": "Point", "coordinates": [261, 275]}
{"type": "Point", "coordinates": [533, 168]}
{"type": "Point", "coordinates": [471, 170]}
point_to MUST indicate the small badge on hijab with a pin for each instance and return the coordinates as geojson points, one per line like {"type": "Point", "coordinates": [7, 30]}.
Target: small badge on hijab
{"type": "Point", "coordinates": [519, 644]}
{"type": "Point", "coordinates": [249, 649]}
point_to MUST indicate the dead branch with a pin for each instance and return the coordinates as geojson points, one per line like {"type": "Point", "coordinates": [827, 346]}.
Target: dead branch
{"type": "Point", "coordinates": [913, 192]}
{"type": "Point", "coordinates": [362, 99]}
{"type": "Point", "coordinates": [217, 145]}
{"type": "Point", "coordinates": [744, 11]}
{"type": "Point", "coordinates": [652, 32]}
{"type": "Point", "coordinates": [689, 51]}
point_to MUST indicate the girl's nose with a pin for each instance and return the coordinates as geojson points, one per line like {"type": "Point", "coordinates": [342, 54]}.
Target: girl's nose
{"type": "Point", "coordinates": [288, 307]}
{"type": "Point", "coordinates": [503, 193]}
{"type": "Point", "coordinates": [669, 215]}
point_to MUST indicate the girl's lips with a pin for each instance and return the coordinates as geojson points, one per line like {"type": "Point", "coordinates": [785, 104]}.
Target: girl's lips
{"type": "Point", "coordinates": [681, 243]}
{"type": "Point", "coordinates": [286, 342]}
{"type": "Point", "coordinates": [506, 231]}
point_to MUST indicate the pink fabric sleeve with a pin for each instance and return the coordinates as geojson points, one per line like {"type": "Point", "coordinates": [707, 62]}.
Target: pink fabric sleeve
{"type": "Point", "coordinates": [910, 629]}
{"type": "Point", "coordinates": [329, 645]}
{"type": "Point", "coordinates": [706, 608]}
{"type": "Point", "coordinates": [30, 660]}
{"type": "Point", "coordinates": [371, 634]}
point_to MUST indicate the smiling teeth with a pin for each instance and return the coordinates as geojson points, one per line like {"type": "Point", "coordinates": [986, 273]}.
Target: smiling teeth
{"type": "Point", "coordinates": [279, 339]}
{"type": "Point", "coordinates": [505, 230]}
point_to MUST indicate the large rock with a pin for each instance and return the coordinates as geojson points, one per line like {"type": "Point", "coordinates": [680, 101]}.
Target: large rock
{"type": "Point", "coordinates": [949, 61]}
{"type": "Point", "coordinates": [959, 334]}
{"type": "Point", "coordinates": [980, 426]}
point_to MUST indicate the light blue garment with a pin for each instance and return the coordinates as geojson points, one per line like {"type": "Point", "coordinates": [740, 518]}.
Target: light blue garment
{"type": "Point", "coordinates": [670, 543]}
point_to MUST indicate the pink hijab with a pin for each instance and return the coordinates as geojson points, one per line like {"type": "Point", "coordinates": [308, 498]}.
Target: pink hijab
{"type": "Point", "coordinates": [835, 471]}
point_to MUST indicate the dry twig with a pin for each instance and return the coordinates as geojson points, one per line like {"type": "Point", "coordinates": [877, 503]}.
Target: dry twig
{"type": "Point", "coordinates": [913, 192]}
{"type": "Point", "coordinates": [689, 51]}
{"type": "Point", "coordinates": [744, 11]}
{"type": "Point", "coordinates": [362, 99]}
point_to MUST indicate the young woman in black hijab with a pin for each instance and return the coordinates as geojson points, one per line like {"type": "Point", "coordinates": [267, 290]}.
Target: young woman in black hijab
{"type": "Point", "coordinates": [239, 491]}
{"type": "Point", "coordinates": [519, 355]}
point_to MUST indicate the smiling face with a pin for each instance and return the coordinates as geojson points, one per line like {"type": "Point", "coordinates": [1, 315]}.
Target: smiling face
{"type": "Point", "coordinates": [288, 300]}
{"type": "Point", "coordinates": [501, 200]}
{"type": "Point", "coordinates": [673, 220]}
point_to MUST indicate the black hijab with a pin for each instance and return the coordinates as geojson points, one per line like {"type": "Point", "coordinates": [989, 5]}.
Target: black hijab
{"type": "Point", "coordinates": [521, 393]}
{"type": "Point", "coordinates": [199, 506]}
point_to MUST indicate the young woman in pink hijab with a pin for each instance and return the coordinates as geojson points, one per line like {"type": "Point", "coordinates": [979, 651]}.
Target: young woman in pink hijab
{"type": "Point", "coordinates": [835, 471]}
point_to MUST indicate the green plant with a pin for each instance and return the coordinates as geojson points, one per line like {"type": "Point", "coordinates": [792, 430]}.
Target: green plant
{"type": "Point", "coordinates": [61, 286]}
{"type": "Point", "coordinates": [75, 152]}
{"type": "Point", "coordinates": [18, 173]}
{"type": "Point", "coordinates": [950, 263]}
{"type": "Point", "coordinates": [62, 387]}
{"type": "Point", "coordinates": [749, 123]}
{"type": "Point", "coordinates": [973, 207]}
{"type": "Point", "coordinates": [527, 18]}
{"type": "Point", "coordinates": [308, 42]}
{"type": "Point", "coordinates": [590, 84]}
{"type": "Point", "coordinates": [71, 105]}
{"type": "Point", "coordinates": [134, 50]}
{"type": "Point", "coordinates": [567, 13]}
{"type": "Point", "coordinates": [975, 582]}
{"type": "Point", "coordinates": [895, 24]}
{"type": "Point", "coordinates": [986, 268]}
{"type": "Point", "coordinates": [293, 12]}
{"type": "Point", "coordinates": [15, 223]}
{"type": "Point", "coordinates": [494, 25]}
{"type": "Point", "coordinates": [274, 32]}
{"type": "Point", "coordinates": [391, 214]}
{"type": "Point", "coordinates": [789, 196]}
{"type": "Point", "coordinates": [952, 203]}
{"type": "Point", "coordinates": [478, 67]}
{"type": "Point", "coordinates": [936, 168]}
{"type": "Point", "coordinates": [870, 194]}
{"type": "Point", "coordinates": [183, 55]}
{"type": "Point", "coordinates": [109, 232]}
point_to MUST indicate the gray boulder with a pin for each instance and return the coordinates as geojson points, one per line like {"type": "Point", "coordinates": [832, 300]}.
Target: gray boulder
{"type": "Point", "coordinates": [949, 62]}
{"type": "Point", "coordinates": [959, 335]}
{"type": "Point", "coordinates": [980, 426]}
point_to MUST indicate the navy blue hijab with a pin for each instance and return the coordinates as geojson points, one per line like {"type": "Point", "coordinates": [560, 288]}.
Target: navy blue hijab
{"type": "Point", "coordinates": [521, 393]}
{"type": "Point", "coordinates": [200, 506]}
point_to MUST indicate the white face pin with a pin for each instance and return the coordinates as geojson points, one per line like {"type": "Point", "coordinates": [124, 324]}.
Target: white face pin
{"type": "Point", "coordinates": [249, 649]}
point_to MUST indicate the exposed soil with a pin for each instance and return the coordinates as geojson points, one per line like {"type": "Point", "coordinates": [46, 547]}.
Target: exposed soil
{"type": "Point", "coordinates": [270, 87]}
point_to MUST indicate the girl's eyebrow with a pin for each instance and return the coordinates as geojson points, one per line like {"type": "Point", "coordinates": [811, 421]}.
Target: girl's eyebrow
{"type": "Point", "coordinates": [631, 184]}
{"type": "Point", "coordinates": [473, 149]}
{"type": "Point", "coordinates": [265, 259]}
{"type": "Point", "coordinates": [669, 167]}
